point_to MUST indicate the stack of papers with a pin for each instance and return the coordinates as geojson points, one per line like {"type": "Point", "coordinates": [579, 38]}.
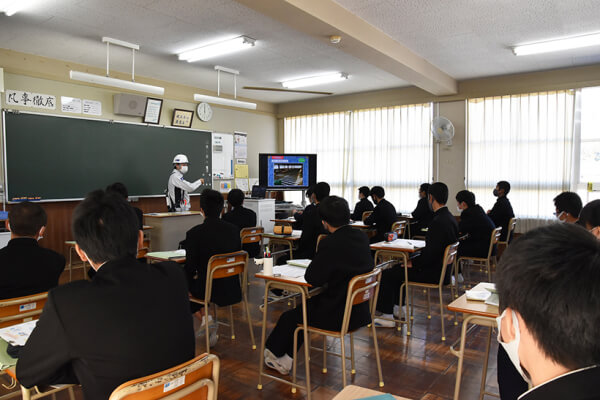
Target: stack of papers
{"type": "Point", "coordinates": [289, 271]}
{"type": "Point", "coordinates": [17, 335]}
{"type": "Point", "coordinates": [296, 233]}
{"type": "Point", "coordinates": [303, 262]}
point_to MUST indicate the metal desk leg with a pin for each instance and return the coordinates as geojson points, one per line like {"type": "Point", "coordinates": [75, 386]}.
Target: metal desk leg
{"type": "Point", "coordinates": [485, 364]}
{"type": "Point", "coordinates": [261, 362]}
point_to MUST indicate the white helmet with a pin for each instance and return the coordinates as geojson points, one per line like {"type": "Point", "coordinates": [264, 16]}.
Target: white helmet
{"type": "Point", "coordinates": [180, 159]}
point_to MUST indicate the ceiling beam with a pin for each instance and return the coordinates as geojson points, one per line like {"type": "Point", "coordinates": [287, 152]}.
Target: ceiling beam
{"type": "Point", "coordinates": [323, 18]}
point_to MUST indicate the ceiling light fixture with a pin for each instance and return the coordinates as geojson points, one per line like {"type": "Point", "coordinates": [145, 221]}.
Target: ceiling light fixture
{"type": "Point", "coordinates": [548, 46]}
{"type": "Point", "coordinates": [11, 7]}
{"type": "Point", "coordinates": [114, 82]}
{"type": "Point", "coordinates": [315, 80]}
{"type": "Point", "coordinates": [221, 100]}
{"type": "Point", "coordinates": [216, 49]}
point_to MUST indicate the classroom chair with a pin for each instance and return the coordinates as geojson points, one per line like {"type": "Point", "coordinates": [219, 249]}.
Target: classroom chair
{"type": "Point", "coordinates": [224, 266]}
{"type": "Point", "coordinates": [365, 215]}
{"type": "Point", "coordinates": [319, 238]}
{"type": "Point", "coordinates": [449, 259]}
{"type": "Point", "coordinates": [400, 228]}
{"type": "Point", "coordinates": [251, 236]}
{"type": "Point", "coordinates": [361, 288]}
{"type": "Point", "coordinates": [197, 379]}
{"type": "Point", "coordinates": [485, 262]}
{"type": "Point", "coordinates": [16, 311]}
{"type": "Point", "coordinates": [512, 224]}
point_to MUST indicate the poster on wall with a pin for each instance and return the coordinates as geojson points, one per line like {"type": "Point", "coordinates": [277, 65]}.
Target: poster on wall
{"type": "Point", "coordinates": [30, 99]}
{"type": "Point", "coordinates": [70, 105]}
{"type": "Point", "coordinates": [222, 160]}
{"type": "Point", "coordinates": [241, 145]}
{"type": "Point", "coordinates": [92, 107]}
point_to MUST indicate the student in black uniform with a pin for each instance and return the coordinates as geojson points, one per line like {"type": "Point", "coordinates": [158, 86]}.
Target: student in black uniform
{"type": "Point", "coordinates": [132, 320]}
{"type": "Point", "coordinates": [474, 223]}
{"type": "Point", "coordinates": [422, 213]}
{"type": "Point", "coordinates": [427, 267]}
{"type": "Point", "coordinates": [502, 211]}
{"type": "Point", "coordinates": [383, 216]}
{"type": "Point", "coordinates": [590, 217]}
{"type": "Point", "coordinates": [312, 226]}
{"type": "Point", "coordinates": [363, 204]}
{"type": "Point", "coordinates": [342, 255]}
{"type": "Point", "coordinates": [299, 215]}
{"type": "Point", "coordinates": [241, 217]}
{"type": "Point", "coordinates": [213, 236]}
{"type": "Point", "coordinates": [26, 267]}
{"type": "Point", "coordinates": [547, 282]}
{"type": "Point", "coordinates": [568, 206]}
{"type": "Point", "coordinates": [121, 189]}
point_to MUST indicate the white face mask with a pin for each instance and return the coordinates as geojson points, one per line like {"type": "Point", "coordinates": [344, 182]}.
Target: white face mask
{"type": "Point", "coordinates": [183, 169]}
{"type": "Point", "coordinates": [512, 348]}
{"type": "Point", "coordinates": [459, 209]}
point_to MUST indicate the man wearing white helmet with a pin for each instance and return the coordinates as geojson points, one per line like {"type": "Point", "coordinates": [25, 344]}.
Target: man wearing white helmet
{"type": "Point", "coordinates": [178, 198]}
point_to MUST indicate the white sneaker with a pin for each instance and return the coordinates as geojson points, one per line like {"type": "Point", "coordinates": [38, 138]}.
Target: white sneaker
{"type": "Point", "coordinates": [460, 278]}
{"type": "Point", "coordinates": [213, 337]}
{"type": "Point", "coordinates": [398, 312]}
{"type": "Point", "coordinates": [280, 364]}
{"type": "Point", "coordinates": [452, 280]}
{"type": "Point", "coordinates": [203, 322]}
{"type": "Point", "coordinates": [384, 323]}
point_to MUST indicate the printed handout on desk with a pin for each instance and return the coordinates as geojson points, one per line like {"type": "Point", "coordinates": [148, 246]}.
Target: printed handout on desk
{"type": "Point", "coordinates": [168, 254]}
{"type": "Point", "coordinates": [17, 335]}
{"type": "Point", "coordinates": [296, 233]}
{"type": "Point", "coordinates": [403, 244]}
{"type": "Point", "coordinates": [302, 262]}
{"type": "Point", "coordinates": [289, 271]}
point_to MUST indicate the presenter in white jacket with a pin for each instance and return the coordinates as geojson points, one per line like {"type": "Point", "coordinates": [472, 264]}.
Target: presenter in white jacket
{"type": "Point", "coordinates": [178, 198]}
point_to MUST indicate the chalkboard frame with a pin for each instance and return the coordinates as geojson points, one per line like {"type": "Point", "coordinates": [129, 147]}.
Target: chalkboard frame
{"type": "Point", "coordinates": [5, 191]}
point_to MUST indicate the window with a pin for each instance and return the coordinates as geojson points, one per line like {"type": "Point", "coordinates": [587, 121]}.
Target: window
{"type": "Point", "coordinates": [589, 162]}
{"type": "Point", "coordinates": [390, 147]}
{"type": "Point", "coordinates": [526, 140]}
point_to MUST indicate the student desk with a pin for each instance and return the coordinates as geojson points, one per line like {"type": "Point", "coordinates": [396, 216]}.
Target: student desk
{"type": "Point", "coordinates": [284, 240]}
{"type": "Point", "coordinates": [285, 221]}
{"type": "Point", "coordinates": [160, 256]}
{"type": "Point", "coordinates": [476, 313]}
{"type": "Point", "coordinates": [352, 392]}
{"type": "Point", "coordinates": [298, 285]}
{"type": "Point", "coordinates": [401, 249]}
{"type": "Point", "coordinates": [169, 228]}
{"type": "Point", "coordinates": [361, 225]}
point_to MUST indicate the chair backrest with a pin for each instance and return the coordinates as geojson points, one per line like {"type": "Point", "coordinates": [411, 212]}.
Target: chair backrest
{"type": "Point", "coordinates": [193, 380]}
{"type": "Point", "coordinates": [512, 224]}
{"type": "Point", "coordinates": [21, 309]}
{"type": "Point", "coordinates": [399, 227]}
{"type": "Point", "coordinates": [449, 259]}
{"type": "Point", "coordinates": [366, 214]}
{"type": "Point", "coordinates": [224, 266]}
{"type": "Point", "coordinates": [361, 288]}
{"type": "Point", "coordinates": [252, 235]}
{"type": "Point", "coordinates": [319, 238]}
{"type": "Point", "coordinates": [494, 239]}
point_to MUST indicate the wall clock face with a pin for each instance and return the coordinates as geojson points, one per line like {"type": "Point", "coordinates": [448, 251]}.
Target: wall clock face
{"type": "Point", "coordinates": [204, 112]}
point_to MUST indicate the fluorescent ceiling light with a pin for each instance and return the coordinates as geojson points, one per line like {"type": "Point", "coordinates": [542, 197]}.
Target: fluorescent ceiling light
{"type": "Point", "coordinates": [314, 80]}
{"type": "Point", "coordinates": [216, 49]}
{"type": "Point", "coordinates": [548, 46]}
{"type": "Point", "coordinates": [119, 83]}
{"type": "Point", "coordinates": [224, 101]}
{"type": "Point", "coordinates": [11, 7]}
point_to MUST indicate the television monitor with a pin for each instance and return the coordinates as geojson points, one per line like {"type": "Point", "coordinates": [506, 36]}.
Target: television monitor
{"type": "Point", "coordinates": [287, 171]}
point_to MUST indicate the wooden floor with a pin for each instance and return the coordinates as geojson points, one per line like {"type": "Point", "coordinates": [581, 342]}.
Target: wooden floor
{"type": "Point", "coordinates": [418, 367]}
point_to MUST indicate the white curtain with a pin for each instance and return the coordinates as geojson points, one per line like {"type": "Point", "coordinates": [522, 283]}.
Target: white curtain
{"type": "Point", "coordinates": [390, 147]}
{"type": "Point", "coordinates": [526, 140]}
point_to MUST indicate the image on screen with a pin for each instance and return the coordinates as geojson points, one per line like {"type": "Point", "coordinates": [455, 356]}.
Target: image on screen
{"type": "Point", "coordinates": [288, 171]}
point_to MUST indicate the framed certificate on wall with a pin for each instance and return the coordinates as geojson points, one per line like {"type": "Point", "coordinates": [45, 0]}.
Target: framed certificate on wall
{"type": "Point", "coordinates": [153, 109]}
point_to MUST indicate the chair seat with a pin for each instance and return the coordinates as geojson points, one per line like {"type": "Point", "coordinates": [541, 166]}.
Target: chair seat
{"type": "Point", "coordinates": [327, 332]}
{"type": "Point", "coordinates": [481, 259]}
{"type": "Point", "coordinates": [422, 284]}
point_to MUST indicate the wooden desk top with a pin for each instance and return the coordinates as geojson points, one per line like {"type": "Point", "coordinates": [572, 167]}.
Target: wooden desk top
{"type": "Point", "coordinates": [147, 227]}
{"type": "Point", "coordinates": [293, 237]}
{"type": "Point", "coordinates": [284, 279]}
{"type": "Point", "coordinates": [172, 214]}
{"type": "Point", "coordinates": [404, 245]}
{"type": "Point", "coordinates": [284, 221]}
{"type": "Point", "coordinates": [473, 307]}
{"type": "Point", "coordinates": [352, 392]}
{"type": "Point", "coordinates": [166, 256]}
{"type": "Point", "coordinates": [361, 225]}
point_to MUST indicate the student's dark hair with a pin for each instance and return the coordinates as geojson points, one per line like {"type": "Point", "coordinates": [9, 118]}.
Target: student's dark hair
{"type": "Point", "coordinates": [321, 190]}
{"type": "Point", "coordinates": [424, 187]}
{"type": "Point", "coordinates": [335, 211]}
{"type": "Point", "coordinates": [310, 191]}
{"type": "Point", "coordinates": [26, 218]}
{"type": "Point", "coordinates": [439, 192]}
{"type": "Point", "coordinates": [364, 190]}
{"type": "Point", "coordinates": [550, 276]}
{"type": "Point", "coordinates": [211, 202]}
{"type": "Point", "coordinates": [504, 185]}
{"type": "Point", "coordinates": [568, 202]}
{"type": "Point", "coordinates": [235, 197]}
{"type": "Point", "coordinates": [105, 226]}
{"type": "Point", "coordinates": [467, 197]}
{"type": "Point", "coordinates": [378, 191]}
{"type": "Point", "coordinates": [589, 215]}
{"type": "Point", "coordinates": [118, 188]}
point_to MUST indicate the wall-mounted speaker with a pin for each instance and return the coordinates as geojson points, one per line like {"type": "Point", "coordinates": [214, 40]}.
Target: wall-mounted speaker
{"type": "Point", "coordinates": [129, 104]}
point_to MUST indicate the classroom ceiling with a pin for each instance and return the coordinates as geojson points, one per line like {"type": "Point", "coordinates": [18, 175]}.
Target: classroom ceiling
{"type": "Point", "coordinates": [462, 38]}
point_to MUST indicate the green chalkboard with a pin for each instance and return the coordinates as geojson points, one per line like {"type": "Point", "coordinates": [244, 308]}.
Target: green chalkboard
{"type": "Point", "coordinates": [59, 158]}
